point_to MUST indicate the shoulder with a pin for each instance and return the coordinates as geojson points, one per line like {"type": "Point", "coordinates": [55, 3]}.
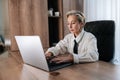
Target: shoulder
{"type": "Point", "coordinates": [89, 35]}
{"type": "Point", "coordinates": [70, 35]}
{"type": "Point", "coordinates": [67, 37]}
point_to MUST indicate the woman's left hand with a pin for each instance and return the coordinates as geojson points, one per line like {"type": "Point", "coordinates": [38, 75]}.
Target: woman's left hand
{"type": "Point", "coordinates": [63, 58]}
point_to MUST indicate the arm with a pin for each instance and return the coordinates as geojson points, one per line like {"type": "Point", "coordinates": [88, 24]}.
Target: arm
{"type": "Point", "coordinates": [60, 48]}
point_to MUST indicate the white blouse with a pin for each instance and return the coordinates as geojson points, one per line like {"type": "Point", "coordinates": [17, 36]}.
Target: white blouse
{"type": "Point", "coordinates": [87, 47]}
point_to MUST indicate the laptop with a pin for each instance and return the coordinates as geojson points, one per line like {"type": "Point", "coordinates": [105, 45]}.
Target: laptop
{"type": "Point", "coordinates": [32, 53]}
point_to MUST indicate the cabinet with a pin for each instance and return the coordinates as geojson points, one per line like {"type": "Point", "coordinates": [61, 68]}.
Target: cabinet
{"type": "Point", "coordinates": [55, 21]}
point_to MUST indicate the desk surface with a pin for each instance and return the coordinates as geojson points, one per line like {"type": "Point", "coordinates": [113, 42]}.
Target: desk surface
{"type": "Point", "coordinates": [10, 69]}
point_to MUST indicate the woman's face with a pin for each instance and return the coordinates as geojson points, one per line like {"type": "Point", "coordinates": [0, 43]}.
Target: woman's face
{"type": "Point", "coordinates": [74, 25]}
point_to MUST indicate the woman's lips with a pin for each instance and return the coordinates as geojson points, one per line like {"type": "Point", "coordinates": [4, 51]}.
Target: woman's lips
{"type": "Point", "coordinates": [71, 30]}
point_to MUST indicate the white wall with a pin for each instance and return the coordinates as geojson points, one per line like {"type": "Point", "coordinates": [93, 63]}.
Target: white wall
{"type": "Point", "coordinates": [1, 18]}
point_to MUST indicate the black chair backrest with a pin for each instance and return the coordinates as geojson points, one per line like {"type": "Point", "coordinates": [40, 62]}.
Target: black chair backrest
{"type": "Point", "coordinates": [1, 46]}
{"type": "Point", "coordinates": [2, 39]}
{"type": "Point", "coordinates": [104, 31]}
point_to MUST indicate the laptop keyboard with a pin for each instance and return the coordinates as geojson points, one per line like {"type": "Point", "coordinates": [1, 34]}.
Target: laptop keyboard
{"type": "Point", "coordinates": [54, 65]}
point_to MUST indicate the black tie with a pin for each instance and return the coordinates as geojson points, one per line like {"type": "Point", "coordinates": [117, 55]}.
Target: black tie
{"type": "Point", "coordinates": [75, 49]}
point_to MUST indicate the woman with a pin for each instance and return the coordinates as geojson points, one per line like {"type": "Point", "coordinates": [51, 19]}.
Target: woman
{"type": "Point", "coordinates": [79, 45]}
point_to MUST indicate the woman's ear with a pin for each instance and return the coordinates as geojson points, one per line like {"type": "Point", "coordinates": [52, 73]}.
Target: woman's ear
{"type": "Point", "coordinates": [82, 24]}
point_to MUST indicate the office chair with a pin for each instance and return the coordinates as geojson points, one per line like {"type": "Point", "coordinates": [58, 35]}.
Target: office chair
{"type": "Point", "coordinates": [1, 44]}
{"type": "Point", "coordinates": [104, 31]}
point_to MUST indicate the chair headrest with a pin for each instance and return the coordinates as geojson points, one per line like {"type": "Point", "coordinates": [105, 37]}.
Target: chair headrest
{"type": "Point", "coordinates": [105, 27]}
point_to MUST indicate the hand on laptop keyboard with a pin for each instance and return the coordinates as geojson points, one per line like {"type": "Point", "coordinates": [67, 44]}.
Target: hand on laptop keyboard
{"type": "Point", "coordinates": [61, 59]}
{"type": "Point", "coordinates": [48, 55]}
{"type": "Point", "coordinates": [51, 62]}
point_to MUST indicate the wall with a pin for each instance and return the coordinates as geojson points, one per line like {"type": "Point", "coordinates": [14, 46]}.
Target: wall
{"type": "Point", "coordinates": [2, 19]}
{"type": "Point", "coordinates": [4, 27]}
{"type": "Point", "coordinates": [27, 17]}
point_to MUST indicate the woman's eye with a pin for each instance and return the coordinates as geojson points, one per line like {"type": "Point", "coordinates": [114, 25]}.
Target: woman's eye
{"type": "Point", "coordinates": [68, 24]}
{"type": "Point", "coordinates": [73, 23]}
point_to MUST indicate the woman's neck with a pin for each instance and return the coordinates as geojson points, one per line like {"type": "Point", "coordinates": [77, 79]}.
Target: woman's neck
{"type": "Point", "coordinates": [76, 34]}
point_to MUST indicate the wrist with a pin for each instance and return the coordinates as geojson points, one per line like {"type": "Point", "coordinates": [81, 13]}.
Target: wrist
{"type": "Point", "coordinates": [51, 54]}
{"type": "Point", "coordinates": [71, 57]}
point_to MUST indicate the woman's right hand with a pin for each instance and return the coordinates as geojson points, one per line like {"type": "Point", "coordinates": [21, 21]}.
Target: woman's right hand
{"type": "Point", "coordinates": [48, 55]}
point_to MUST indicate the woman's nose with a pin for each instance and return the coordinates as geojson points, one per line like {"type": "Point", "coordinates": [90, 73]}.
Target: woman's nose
{"type": "Point", "coordinates": [70, 26]}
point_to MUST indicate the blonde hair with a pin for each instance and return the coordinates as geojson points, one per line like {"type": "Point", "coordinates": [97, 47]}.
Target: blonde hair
{"type": "Point", "coordinates": [81, 17]}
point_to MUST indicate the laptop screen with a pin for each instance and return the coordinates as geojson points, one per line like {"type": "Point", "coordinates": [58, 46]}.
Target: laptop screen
{"type": "Point", "coordinates": [31, 50]}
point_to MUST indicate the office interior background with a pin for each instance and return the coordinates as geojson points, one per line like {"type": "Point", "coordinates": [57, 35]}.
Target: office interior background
{"type": "Point", "coordinates": [93, 10]}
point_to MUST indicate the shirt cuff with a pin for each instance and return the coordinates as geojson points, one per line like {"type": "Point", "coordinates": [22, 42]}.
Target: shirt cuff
{"type": "Point", "coordinates": [76, 58]}
{"type": "Point", "coordinates": [54, 52]}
